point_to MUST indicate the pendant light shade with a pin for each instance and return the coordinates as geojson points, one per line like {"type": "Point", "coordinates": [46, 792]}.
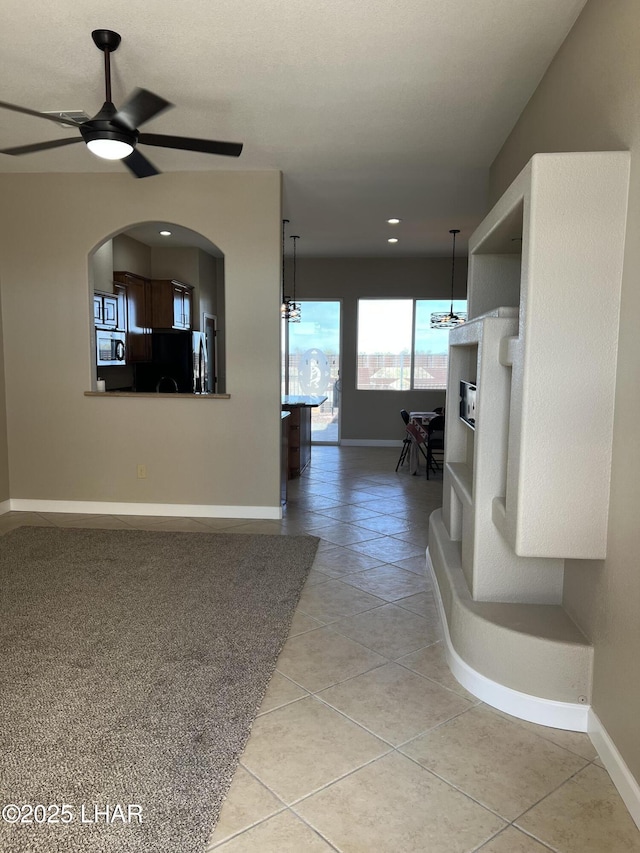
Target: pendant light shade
{"type": "Point", "coordinates": [449, 320]}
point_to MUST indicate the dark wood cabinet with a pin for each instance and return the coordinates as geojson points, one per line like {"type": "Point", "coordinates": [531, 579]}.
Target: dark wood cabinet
{"type": "Point", "coordinates": [138, 302]}
{"type": "Point", "coordinates": [171, 304]}
{"type": "Point", "coordinates": [284, 455]}
{"type": "Point", "coordinates": [299, 439]}
{"type": "Point", "coordinates": [149, 304]}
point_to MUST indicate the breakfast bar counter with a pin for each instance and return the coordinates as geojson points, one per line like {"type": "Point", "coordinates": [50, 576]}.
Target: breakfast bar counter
{"type": "Point", "coordinates": [300, 429]}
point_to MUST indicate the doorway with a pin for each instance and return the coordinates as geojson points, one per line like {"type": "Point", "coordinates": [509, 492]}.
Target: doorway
{"type": "Point", "coordinates": [312, 364]}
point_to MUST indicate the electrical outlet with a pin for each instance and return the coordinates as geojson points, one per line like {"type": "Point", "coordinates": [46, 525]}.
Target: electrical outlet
{"type": "Point", "coordinates": [142, 472]}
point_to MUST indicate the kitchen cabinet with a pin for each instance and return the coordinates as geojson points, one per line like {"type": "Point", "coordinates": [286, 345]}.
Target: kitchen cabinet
{"type": "Point", "coordinates": [299, 450]}
{"type": "Point", "coordinates": [284, 455]}
{"type": "Point", "coordinates": [171, 304]}
{"type": "Point", "coordinates": [151, 304]}
{"type": "Point", "coordinates": [105, 310]}
{"type": "Point", "coordinates": [299, 439]}
{"type": "Point", "coordinates": [138, 302]}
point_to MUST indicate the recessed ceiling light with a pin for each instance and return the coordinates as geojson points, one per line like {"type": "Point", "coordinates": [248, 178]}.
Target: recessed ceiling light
{"type": "Point", "coordinates": [394, 221]}
{"type": "Point", "coordinates": [165, 233]}
{"type": "Point", "coordinates": [392, 240]}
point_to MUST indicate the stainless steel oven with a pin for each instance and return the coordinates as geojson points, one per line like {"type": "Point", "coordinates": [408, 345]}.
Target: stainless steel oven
{"type": "Point", "coordinates": [110, 348]}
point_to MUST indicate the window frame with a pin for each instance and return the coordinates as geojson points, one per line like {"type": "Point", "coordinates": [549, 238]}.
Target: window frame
{"type": "Point", "coordinates": [459, 305]}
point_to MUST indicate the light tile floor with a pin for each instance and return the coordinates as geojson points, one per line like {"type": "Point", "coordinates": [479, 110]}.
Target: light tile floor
{"type": "Point", "coordinates": [365, 743]}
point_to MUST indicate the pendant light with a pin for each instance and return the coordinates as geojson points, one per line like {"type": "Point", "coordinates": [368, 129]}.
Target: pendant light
{"type": "Point", "coordinates": [449, 320]}
{"type": "Point", "coordinates": [293, 307]}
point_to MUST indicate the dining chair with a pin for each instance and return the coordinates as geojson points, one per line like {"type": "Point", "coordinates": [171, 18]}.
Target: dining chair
{"type": "Point", "coordinates": [435, 444]}
{"type": "Point", "coordinates": [406, 441]}
{"type": "Point", "coordinates": [418, 440]}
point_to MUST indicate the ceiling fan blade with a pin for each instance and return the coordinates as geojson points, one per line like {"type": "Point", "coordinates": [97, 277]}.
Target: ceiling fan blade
{"type": "Point", "coordinates": [27, 111]}
{"type": "Point", "coordinates": [40, 146]}
{"type": "Point", "coordinates": [139, 165]}
{"type": "Point", "coordinates": [141, 106]}
{"type": "Point", "coordinates": [187, 143]}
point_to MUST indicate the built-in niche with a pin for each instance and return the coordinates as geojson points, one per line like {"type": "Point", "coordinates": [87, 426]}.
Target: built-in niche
{"type": "Point", "coordinates": [495, 266]}
{"type": "Point", "coordinates": [182, 270]}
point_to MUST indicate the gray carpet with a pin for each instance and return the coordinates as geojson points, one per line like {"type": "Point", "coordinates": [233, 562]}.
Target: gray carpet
{"type": "Point", "coordinates": [133, 664]}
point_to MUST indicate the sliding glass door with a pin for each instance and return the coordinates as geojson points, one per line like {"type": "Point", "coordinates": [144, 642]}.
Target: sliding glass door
{"type": "Point", "coordinates": [311, 364]}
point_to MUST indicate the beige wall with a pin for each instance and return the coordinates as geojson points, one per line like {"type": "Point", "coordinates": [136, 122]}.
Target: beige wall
{"type": "Point", "coordinates": [131, 255]}
{"type": "Point", "coordinates": [180, 264]}
{"type": "Point", "coordinates": [590, 100]}
{"type": "Point", "coordinates": [375, 415]}
{"type": "Point", "coordinates": [5, 492]}
{"type": "Point", "coordinates": [101, 268]}
{"type": "Point", "coordinates": [65, 446]}
{"type": "Point", "coordinates": [207, 266]}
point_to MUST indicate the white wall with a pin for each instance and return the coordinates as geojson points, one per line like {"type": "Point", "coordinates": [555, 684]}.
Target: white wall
{"type": "Point", "coordinates": [589, 100]}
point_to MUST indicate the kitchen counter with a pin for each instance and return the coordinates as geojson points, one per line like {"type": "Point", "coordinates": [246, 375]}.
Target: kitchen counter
{"type": "Point", "coordinates": [300, 430]}
{"type": "Point", "coordinates": [156, 396]}
{"type": "Point", "coordinates": [302, 400]}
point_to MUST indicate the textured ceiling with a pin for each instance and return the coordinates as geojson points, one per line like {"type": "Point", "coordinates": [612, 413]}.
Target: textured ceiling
{"type": "Point", "coordinates": [370, 109]}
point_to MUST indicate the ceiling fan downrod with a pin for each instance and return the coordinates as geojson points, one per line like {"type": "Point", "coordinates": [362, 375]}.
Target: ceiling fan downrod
{"type": "Point", "coordinates": [107, 41]}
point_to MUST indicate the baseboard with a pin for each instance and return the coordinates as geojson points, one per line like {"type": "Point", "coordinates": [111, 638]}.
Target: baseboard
{"type": "Point", "coordinates": [369, 442]}
{"type": "Point", "coordinates": [121, 508]}
{"type": "Point", "coordinates": [5, 506]}
{"type": "Point", "coordinates": [621, 776]}
{"type": "Point", "coordinates": [535, 709]}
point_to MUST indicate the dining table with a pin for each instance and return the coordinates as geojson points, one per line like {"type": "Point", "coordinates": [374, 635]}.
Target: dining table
{"type": "Point", "coordinates": [421, 420]}
{"type": "Point", "coordinates": [421, 417]}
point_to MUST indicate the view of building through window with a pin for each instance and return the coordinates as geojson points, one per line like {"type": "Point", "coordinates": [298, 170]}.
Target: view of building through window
{"type": "Point", "coordinates": [397, 348]}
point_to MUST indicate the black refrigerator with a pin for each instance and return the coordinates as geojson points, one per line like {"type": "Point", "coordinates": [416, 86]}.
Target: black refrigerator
{"type": "Point", "coordinates": [179, 364]}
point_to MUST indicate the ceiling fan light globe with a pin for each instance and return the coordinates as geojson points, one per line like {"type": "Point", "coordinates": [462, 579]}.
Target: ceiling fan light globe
{"type": "Point", "coordinates": [110, 149]}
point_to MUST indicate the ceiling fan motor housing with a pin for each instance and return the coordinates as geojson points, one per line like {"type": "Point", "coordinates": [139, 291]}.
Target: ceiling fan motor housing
{"type": "Point", "coordinates": [101, 126]}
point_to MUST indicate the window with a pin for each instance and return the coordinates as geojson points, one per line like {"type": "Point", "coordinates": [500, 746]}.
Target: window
{"type": "Point", "coordinates": [397, 349]}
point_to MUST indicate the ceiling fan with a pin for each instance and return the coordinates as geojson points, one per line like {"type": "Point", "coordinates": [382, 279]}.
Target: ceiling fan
{"type": "Point", "coordinates": [113, 133]}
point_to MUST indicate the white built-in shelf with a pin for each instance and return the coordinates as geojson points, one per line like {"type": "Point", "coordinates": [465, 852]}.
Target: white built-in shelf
{"type": "Point", "coordinates": [529, 487]}
{"type": "Point", "coordinates": [565, 280]}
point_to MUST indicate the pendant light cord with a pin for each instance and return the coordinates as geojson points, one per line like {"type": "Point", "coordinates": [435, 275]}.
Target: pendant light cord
{"type": "Point", "coordinates": [453, 231]}
{"type": "Point", "coordinates": [285, 222]}
{"type": "Point", "coordinates": [295, 239]}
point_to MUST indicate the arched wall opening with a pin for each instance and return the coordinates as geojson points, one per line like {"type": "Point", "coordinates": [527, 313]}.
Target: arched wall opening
{"type": "Point", "coordinates": [148, 291]}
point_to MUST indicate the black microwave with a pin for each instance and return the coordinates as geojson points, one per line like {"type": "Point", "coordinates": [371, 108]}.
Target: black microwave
{"type": "Point", "coordinates": [110, 348]}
